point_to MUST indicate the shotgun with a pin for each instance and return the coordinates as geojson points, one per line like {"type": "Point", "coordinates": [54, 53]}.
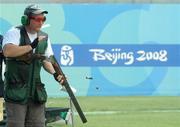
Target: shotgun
{"type": "Point", "coordinates": [65, 83]}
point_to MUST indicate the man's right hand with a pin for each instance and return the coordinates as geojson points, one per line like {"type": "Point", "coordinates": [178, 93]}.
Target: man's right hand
{"type": "Point", "coordinates": [34, 44]}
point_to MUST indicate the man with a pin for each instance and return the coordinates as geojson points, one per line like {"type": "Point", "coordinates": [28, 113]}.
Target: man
{"type": "Point", "coordinates": [1, 62]}
{"type": "Point", "coordinates": [24, 94]}
{"type": "Point", "coordinates": [1, 80]}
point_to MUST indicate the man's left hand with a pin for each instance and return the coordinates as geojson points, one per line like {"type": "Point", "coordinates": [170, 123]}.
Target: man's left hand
{"type": "Point", "coordinates": [58, 78]}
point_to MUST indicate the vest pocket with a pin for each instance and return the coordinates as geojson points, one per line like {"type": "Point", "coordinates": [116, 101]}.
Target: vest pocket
{"type": "Point", "coordinates": [40, 94]}
{"type": "Point", "coordinates": [16, 94]}
{"type": "Point", "coordinates": [15, 88]}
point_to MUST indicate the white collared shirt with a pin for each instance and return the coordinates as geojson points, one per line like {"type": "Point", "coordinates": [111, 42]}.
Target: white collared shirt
{"type": "Point", "coordinates": [13, 36]}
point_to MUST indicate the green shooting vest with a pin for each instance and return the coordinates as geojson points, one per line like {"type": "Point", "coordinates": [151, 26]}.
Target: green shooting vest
{"type": "Point", "coordinates": [22, 80]}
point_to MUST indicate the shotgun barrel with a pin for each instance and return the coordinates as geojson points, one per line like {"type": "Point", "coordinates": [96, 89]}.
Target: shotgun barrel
{"type": "Point", "coordinates": [68, 89]}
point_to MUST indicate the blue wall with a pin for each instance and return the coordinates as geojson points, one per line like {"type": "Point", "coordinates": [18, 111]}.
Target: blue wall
{"type": "Point", "coordinates": [129, 27]}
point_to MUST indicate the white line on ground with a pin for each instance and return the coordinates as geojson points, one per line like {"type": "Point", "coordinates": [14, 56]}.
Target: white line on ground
{"type": "Point", "coordinates": [130, 111]}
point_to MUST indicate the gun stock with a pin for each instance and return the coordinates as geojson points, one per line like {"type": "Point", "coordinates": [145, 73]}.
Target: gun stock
{"type": "Point", "coordinates": [69, 91]}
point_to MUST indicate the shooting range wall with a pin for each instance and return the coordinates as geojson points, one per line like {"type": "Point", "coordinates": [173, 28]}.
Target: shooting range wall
{"type": "Point", "coordinates": [90, 1]}
{"type": "Point", "coordinates": [113, 49]}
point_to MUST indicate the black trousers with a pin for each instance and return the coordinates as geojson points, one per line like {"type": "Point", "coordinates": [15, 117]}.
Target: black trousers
{"type": "Point", "coordinates": [28, 115]}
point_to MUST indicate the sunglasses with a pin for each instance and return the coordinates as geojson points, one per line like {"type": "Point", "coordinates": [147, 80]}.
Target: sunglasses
{"type": "Point", "coordinates": [38, 18]}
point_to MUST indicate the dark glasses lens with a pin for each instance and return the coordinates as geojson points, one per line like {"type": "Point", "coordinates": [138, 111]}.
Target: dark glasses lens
{"type": "Point", "coordinates": [39, 19]}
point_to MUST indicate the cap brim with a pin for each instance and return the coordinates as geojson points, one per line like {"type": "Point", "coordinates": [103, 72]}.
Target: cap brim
{"type": "Point", "coordinates": [37, 12]}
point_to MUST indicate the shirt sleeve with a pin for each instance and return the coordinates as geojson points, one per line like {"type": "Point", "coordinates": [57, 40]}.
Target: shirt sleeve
{"type": "Point", "coordinates": [49, 50]}
{"type": "Point", "coordinates": [12, 36]}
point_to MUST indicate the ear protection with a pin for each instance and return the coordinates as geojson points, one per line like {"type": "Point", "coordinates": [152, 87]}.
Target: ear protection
{"type": "Point", "coordinates": [25, 20]}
